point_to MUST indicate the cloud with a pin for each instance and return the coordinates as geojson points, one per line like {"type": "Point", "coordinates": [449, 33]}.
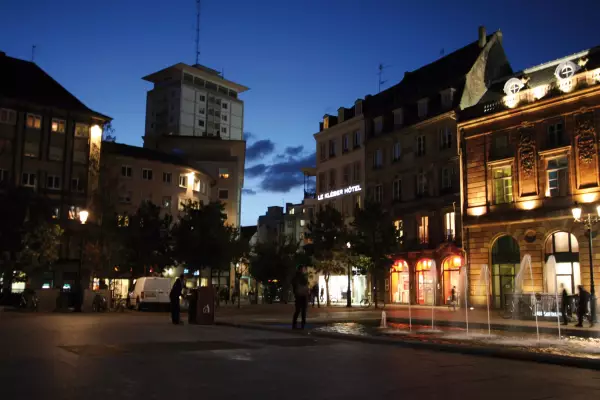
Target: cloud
{"type": "Point", "coordinates": [259, 149]}
{"type": "Point", "coordinates": [294, 151]}
{"type": "Point", "coordinates": [248, 136]}
{"type": "Point", "coordinates": [281, 177]}
{"type": "Point", "coordinates": [249, 192]}
{"type": "Point", "coordinates": [255, 171]}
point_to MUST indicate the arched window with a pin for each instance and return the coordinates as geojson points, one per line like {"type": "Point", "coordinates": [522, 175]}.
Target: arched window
{"type": "Point", "coordinates": [565, 249]}
{"type": "Point", "coordinates": [425, 282]}
{"type": "Point", "coordinates": [505, 264]}
{"type": "Point", "coordinates": [451, 275]}
{"type": "Point", "coordinates": [400, 278]}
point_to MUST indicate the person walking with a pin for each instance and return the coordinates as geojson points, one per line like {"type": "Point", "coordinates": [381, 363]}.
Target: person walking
{"type": "Point", "coordinates": [314, 294]}
{"type": "Point", "coordinates": [584, 298]}
{"type": "Point", "coordinates": [453, 298]}
{"type": "Point", "coordinates": [301, 292]}
{"type": "Point", "coordinates": [564, 303]}
{"type": "Point", "coordinates": [174, 297]}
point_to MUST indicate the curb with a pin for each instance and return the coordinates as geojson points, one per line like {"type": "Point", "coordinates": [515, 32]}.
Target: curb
{"type": "Point", "coordinates": [495, 352]}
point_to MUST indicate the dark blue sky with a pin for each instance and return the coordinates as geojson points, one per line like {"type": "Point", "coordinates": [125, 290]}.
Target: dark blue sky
{"type": "Point", "coordinates": [301, 59]}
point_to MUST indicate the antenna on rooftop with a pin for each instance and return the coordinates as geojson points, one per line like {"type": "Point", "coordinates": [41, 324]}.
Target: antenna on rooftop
{"type": "Point", "coordinates": [33, 53]}
{"type": "Point", "coordinates": [380, 76]}
{"type": "Point", "coordinates": [197, 31]}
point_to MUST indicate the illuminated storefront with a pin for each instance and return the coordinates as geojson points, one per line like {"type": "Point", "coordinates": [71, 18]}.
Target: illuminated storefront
{"type": "Point", "coordinates": [400, 278]}
{"type": "Point", "coordinates": [425, 282]}
{"type": "Point", "coordinates": [565, 248]}
{"type": "Point", "coordinates": [451, 276]}
{"type": "Point", "coordinates": [338, 288]}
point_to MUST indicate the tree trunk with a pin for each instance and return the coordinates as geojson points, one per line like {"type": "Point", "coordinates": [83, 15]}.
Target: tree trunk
{"type": "Point", "coordinates": [327, 290]}
{"type": "Point", "coordinates": [349, 290]}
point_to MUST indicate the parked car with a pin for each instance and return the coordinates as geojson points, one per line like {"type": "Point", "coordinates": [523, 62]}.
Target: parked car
{"type": "Point", "coordinates": [150, 292]}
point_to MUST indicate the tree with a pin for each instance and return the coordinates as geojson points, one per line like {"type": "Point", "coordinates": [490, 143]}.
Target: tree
{"type": "Point", "coordinates": [108, 134]}
{"type": "Point", "coordinates": [329, 238]}
{"type": "Point", "coordinates": [375, 237]}
{"type": "Point", "coordinates": [40, 247]}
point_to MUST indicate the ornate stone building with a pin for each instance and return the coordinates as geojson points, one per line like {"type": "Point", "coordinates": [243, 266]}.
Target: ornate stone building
{"type": "Point", "coordinates": [529, 153]}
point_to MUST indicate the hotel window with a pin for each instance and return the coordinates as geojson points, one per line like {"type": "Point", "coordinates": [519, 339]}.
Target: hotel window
{"type": "Point", "coordinates": [332, 148]}
{"type": "Point", "coordinates": [503, 190]}
{"type": "Point", "coordinates": [445, 138]}
{"type": "Point", "coordinates": [356, 172]}
{"type": "Point", "coordinates": [421, 145]}
{"type": "Point", "coordinates": [398, 117]}
{"type": "Point", "coordinates": [223, 173]}
{"type": "Point", "coordinates": [356, 139]}
{"type": "Point", "coordinates": [378, 158]}
{"type": "Point", "coordinates": [223, 194]}
{"type": "Point", "coordinates": [323, 151]}
{"type": "Point", "coordinates": [422, 108]}
{"type": "Point", "coordinates": [446, 178]}
{"type": "Point", "coordinates": [555, 135]}
{"type": "Point", "coordinates": [76, 185]}
{"type": "Point", "coordinates": [183, 181]}
{"type": "Point", "coordinates": [345, 142]}
{"type": "Point", "coordinates": [28, 179]}
{"type": "Point", "coordinates": [166, 201]}
{"type": "Point", "coordinates": [378, 194]}
{"type": "Point", "coordinates": [399, 225]}
{"type": "Point", "coordinates": [422, 183]}
{"type": "Point", "coordinates": [58, 125]}
{"type": "Point", "coordinates": [34, 121]}
{"type": "Point", "coordinates": [397, 151]}
{"type": "Point", "coordinates": [53, 182]}
{"type": "Point", "coordinates": [322, 182]}
{"type": "Point", "coordinates": [378, 127]}
{"type": "Point", "coordinates": [558, 177]}
{"type": "Point", "coordinates": [346, 175]}
{"type": "Point", "coordinates": [167, 176]}
{"type": "Point", "coordinates": [146, 174]}
{"type": "Point", "coordinates": [423, 223]}
{"type": "Point", "coordinates": [82, 130]}
{"type": "Point", "coordinates": [332, 178]}
{"type": "Point", "coordinates": [8, 116]}
{"type": "Point", "coordinates": [450, 225]}
{"type": "Point", "coordinates": [126, 171]}
{"type": "Point", "coordinates": [397, 190]}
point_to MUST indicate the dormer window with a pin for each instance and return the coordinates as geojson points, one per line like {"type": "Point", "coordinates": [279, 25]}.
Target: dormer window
{"type": "Point", "coordinates": [422, 107]}
{"type": "Point", "coordinates": [566, 70]}
{"type": "Point", "coordinates": [398, 117]}
{"type": "Point", "coordinates": [326, 122]}
{"type": "Point", "coordinates": [512, 86]}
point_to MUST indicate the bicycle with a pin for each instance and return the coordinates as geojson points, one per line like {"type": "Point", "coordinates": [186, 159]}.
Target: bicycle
{"type": "Point", "coordinates": [366, 302]}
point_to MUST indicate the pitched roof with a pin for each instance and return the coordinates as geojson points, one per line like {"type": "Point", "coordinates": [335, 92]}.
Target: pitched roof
{"type": "Point", "coordinates": [26, 81]}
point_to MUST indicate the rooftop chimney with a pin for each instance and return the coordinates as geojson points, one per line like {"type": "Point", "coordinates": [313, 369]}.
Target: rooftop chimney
{"type": "Point", "coordinates": [482, 37]}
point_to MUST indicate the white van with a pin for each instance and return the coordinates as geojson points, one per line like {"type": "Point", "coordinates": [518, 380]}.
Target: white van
{"type": "Point", "coordinates": [150, 292]}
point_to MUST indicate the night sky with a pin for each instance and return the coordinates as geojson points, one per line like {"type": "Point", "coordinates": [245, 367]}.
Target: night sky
{"type": "Point", "coordinates": [301, 59]}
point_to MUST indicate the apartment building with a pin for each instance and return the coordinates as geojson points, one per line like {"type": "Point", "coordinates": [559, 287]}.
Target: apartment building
{"type": "Point", "coordinates": [50, 142]}
{"type": "Point", "coordinates": [412, 165]}
{"type": "Point", "coordinates": [530, 166]}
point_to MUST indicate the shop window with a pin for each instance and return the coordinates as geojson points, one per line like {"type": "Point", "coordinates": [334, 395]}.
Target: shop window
{"type": "Point", "coordinates": [400, 282]}
{"type": "Point", "coordinates": [505, 263]}
{"type": "Point", "coordinates": [566, 272]}
{"type": "Point", "coordinates": [451, 277]}
{"type": "Point", "coordinates": [425, 282]}
{"type": "Point", "coordinates": [503, 189]}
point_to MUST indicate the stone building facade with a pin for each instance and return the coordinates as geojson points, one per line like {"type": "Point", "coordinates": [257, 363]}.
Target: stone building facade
{"type": "Point", "coordinates": [529, 154]}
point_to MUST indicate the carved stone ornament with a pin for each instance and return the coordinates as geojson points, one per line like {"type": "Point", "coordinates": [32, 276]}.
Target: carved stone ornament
{"type": "Point", "coordinates": [586, 138]}
{"type": "Point", "coordinates": [526, 152]}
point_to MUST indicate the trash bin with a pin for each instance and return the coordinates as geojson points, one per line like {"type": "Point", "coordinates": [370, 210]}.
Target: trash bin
{"type": "Point", "coordinates": [205, 306]}
{"type": "Point", "coordinates": [192, 306]}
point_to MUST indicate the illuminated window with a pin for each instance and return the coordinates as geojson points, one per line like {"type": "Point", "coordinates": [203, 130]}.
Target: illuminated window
{"type": "Point", "coordinates": [223, 173]}
{"type": "Point", "coordinates": [73, 212]}
{"type": "Point", "coordinates": [421, 148]}
{"type": "Point", "coordinates": [8, 116]}
{"type": "Point", "coordinates": [167, 176]}
{"type": "Point", "coordinates": [449, 225]}
{"type": "Point", "coordinates": [302, 222]}
{"type": "Point", "coordinates": [423, 223]}
{"type": "Point", "coordinates": [82, 130]}
{"type": "Point", "coordinates": [123, 220]}
{"type": "Point", "coordinates": [53, 182]}
{"type": "Point", "coordinates": [146, 174]}
{"type": "Point", "coordinates": [28, 179]}
{"type": "Point", "coordinates": [34, 121]}
{"type": "Point", "coordinates": [196, 187]}
{"type": "Point", "coordinates": [503, 190]}
{"type": "Point", "coordinates": [183, 181]}
{"type": "Point", "coordinates": [558, 177]}
{"type": "Point", "coordinates": [566, 71]}
{"type": "Point", "coordinates": [397, 190]}
{"type": "Point", "coordinates": [58, 125]}
{"type": "Point", "coordinates": [126, 171]}
{"type": "Point", "coordinates": [566, 272]}
{"type": "Point", "coordinates": [399, 225]}
{"type": "Point", "coordinates": [223, 194]}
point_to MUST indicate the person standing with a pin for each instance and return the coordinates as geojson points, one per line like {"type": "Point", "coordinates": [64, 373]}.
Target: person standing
{"type": "Point", "coordinates": [584, 298]}
{"type": "Point", "coordinates": [564, 303]}
{"type": "Point", "coordinates": [453, 298]}
{"type": "Point", "coordinates": [314, 294]}
{"type": "Point", "coordinates": [301, 292]}
{"type": "Point", "coordinates": [174, 297]}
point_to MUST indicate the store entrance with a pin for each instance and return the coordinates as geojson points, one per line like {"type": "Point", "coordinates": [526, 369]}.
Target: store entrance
{"type": "Point", "coordinates": [400, 278]}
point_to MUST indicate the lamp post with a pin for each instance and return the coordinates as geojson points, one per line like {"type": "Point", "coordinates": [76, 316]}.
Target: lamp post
{"type": "Point", "coordinates": [588, 221]}
{"type": "Point", "coordinates": [349, 267]}
{"type": "Point", "coordinates": [83, 216]}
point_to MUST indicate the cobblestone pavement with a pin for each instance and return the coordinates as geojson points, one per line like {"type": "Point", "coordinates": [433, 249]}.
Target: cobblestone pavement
{"type": "Point", "coordinates": [125, 356]}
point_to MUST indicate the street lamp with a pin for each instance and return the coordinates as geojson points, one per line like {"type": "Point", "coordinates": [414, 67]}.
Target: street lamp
{"type": "Point", "coordinates": [588, 221]}
{"type": "Point", "coordinates": [349, 267]}
{"type": "Point", "coordinates": [83, 216]}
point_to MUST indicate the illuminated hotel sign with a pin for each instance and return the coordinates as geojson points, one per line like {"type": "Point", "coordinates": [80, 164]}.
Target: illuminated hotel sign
{"type": "Point", "coordinates": [339, 192]}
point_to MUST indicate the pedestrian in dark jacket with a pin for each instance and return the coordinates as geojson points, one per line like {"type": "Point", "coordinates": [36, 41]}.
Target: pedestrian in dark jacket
{"type": "Point", "coordinates": [314, 294]}
{"type": "Point", "coordinates": [564, 303]}
{"type": "Point", "coordinates": [174, 297]}
{"type": "Point", "coordinates": [301, 292]}
{"type": "Point", "coordinates": [584, 298]}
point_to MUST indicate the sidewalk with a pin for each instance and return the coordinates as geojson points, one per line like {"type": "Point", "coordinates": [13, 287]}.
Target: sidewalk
{"type": "Point", "coordinates": [421, 315]}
